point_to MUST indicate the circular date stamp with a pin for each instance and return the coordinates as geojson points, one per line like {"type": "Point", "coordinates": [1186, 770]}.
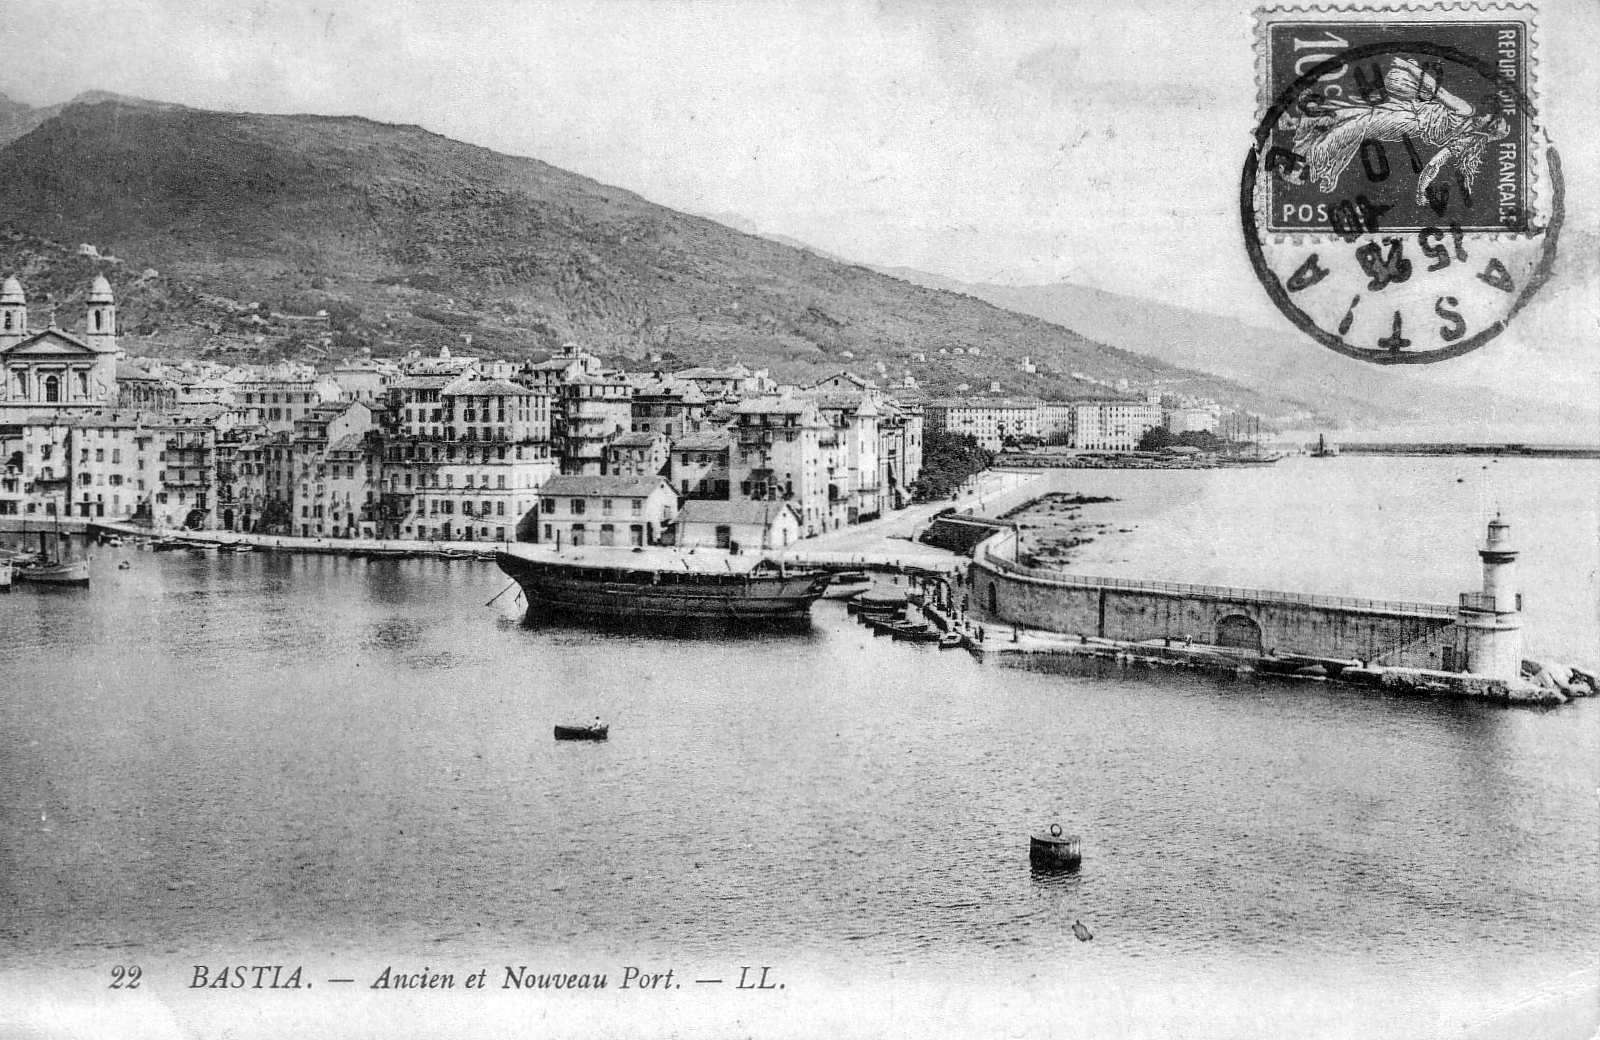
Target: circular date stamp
{"type": "Point", "coordinates": [1400, 203]}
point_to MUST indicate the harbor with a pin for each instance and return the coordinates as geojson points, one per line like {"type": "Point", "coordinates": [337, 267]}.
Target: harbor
{"type": "Point", "coordinates": [1201, 801]}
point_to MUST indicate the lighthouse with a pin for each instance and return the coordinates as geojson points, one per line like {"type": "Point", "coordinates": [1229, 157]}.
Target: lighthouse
{"type": "Point", "coordinates": [1489, 622]}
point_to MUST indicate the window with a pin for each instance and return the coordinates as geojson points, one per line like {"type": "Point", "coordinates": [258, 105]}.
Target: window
{"type": "Point", "coordinates": [548, 505]}
{"type": "Point", "coordinates": [605, 506]}
{"type": "Point", "coordinates": [52, 389]}
{"type": "Point", "coordinates": [638, 507]}
{"type": "Point", "coordinates": [577, 507]}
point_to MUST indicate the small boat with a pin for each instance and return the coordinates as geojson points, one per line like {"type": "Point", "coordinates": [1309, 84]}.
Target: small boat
{"type": "Point", "coordinates": [1055, 849]}
{"type": "Point", "coordinates": [5, 575]}
{"type": "Point", "coordinates": [168, 545]}
{"type": "Point", "coordinates": [950, 641]}
{"type": "Point", "coordinates": [589, 732]}
{"type": "Point", "coordinates": [454, 554]}
{"type": "Point", "coordinates": [201, 548]}
{"type": "Point", "coordinates": [124, 565]}
{"type": "Point", "coordinates": [487, 555]}
{"type": "Point", "coordinates": [846, 584]}
{"type": "Point", "coordinates": [70, 572]}
{"type": "Point", "coordinates": [885, 626]}
{"type": "Point", "coordinates": [1081, 930]}
{"type": "Point", "coordinates": [876, 602]}
{"type": "Point", "coordinates": [110, 539]}
{"type": "Point", "coordinates": [390, 554]}
{"type": "Point", "coordinates": [916, 632]}
{"type": "Point", "coordinates": [236, 547]}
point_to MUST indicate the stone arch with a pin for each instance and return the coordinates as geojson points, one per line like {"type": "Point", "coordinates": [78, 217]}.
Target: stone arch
{"type": "Point", "coordinates": [1239, 630]}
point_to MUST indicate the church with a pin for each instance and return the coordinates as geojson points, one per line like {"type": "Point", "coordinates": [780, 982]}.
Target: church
{"type": "Point", "coordinates": [54, 372]}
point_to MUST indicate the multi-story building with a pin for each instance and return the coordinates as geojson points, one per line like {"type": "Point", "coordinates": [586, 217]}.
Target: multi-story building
{"type": "Point", "coordinates": [636, 455]}
{"type": "Point", "coordinates": [463, 458]}
{"type": "Point", "coordinates": [594, 410]}
{"type": "Point", "coordinates": [853, 413]}
{"type": "Point", "coordinates": [189, 479]}
{"type": "Point", "coordinates": [279, 403]}
{"type": "Point", "coordinates": [729, 384]}
{"type": "Point", "coordinates": [991, 421]}
{"type": "Point", "coordinates": [899, 451]}
{"type": "Point", "coordinates": [783, 450]}
{"type": "Point", "coordinates": [669, 406]}
{"type": "Point", "coordinates": [326, 502]}
{"type": "Point", "coordinates": [118, 466]}
{"type": "Point", "coordinates": [581, 509]}
{"type": "Point", "coordinates": [699, 465]}
{"type": "Point", "coordinates": [141, 391]}
{"type": "Point", "coordinates": [1114, 424]}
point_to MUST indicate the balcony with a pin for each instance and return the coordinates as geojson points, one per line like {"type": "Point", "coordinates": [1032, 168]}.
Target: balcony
{"type": "Point", "coordinates": [1483, 603]}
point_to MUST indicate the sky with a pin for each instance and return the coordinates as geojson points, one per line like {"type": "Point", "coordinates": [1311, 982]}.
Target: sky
{"type": "Point", "coordinates": [1015, 142]}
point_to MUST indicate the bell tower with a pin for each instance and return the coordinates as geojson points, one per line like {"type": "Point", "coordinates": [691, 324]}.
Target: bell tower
{"type": "Point", "coordinates": [100, 333]}
{"type": "Point", "coordinates": [100, 327]}
{"type": "Point", "coordinates": [1490, 621]}
{"type": "Point", "coordinates": [13, 313]}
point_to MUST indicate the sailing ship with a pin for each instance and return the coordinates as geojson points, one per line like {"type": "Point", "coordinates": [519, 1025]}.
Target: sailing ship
{"type": "Point", "coordinates": [662, 588]}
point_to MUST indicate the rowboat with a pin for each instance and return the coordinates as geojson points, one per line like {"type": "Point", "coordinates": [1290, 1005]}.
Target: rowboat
{"type": "Point", "coordinates": [590, 732]}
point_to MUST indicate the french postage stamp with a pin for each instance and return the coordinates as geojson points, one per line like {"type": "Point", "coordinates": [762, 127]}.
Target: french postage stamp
{"type": "Point", "coordinates": [1400, 202]}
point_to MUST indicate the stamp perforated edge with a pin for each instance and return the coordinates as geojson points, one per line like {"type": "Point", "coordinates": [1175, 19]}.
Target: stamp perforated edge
{"type": "Point", "coordinates": [1539, 201]}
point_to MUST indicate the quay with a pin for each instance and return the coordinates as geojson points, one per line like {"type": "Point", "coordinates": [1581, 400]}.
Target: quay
{"type": "Point", "coordinates": [1472, 648]}
{"type": "Point", "coordinates": [1530, 451]}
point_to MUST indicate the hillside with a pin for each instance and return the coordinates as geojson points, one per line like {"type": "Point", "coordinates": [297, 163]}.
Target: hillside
{"type": "Point", "coordinates": [407, 238]}
{"type": "Point", "coordinates": [1284, 362]}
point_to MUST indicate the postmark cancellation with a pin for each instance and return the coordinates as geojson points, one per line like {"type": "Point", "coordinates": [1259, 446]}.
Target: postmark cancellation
{"type": "Point", "coordinates": [1400, 202]}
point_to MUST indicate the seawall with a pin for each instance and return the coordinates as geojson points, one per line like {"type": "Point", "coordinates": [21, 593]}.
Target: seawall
{"type": "Point", "coordinates": [1259, 620]}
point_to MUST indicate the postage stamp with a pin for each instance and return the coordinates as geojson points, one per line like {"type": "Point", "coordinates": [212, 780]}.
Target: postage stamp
{"type": "Point", "coordinates": [1400, 202]}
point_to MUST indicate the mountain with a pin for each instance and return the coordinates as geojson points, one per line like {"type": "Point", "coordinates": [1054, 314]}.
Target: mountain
{"type": "Point", "coordinates": [17, 118]}
{"type": "Point", "coordinates": [409, 238]}
{"type": "Point", "coordinates": [1286, 363]}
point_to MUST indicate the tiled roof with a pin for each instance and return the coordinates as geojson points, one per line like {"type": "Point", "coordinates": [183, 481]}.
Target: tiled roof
{"type": "Point", "coordinates": [591, 486]}
{"type": "Point", "coordinates": [490, 388]}
{"type": "Point", "coordinates": [716, 440]}
{"type": "Point", "coordinates": [733, 511]}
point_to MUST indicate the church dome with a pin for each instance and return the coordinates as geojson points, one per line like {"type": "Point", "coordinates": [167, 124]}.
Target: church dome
{"type": "Point", "coordinates": [100, 291]}
{"type": "Point", "coordinates": [11, 291]}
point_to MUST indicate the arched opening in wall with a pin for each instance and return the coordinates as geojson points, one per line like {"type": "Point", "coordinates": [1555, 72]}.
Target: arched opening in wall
{"type": "Point", "coordinates": [994, 607]}
{"type": "Point", "coordinates": [1239, 631]}
{"type": "Point", "coordinates": [52, 390]}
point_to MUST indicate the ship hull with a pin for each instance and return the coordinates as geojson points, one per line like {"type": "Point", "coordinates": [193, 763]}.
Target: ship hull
{"type": "Point", "coordinates": [660, 598]}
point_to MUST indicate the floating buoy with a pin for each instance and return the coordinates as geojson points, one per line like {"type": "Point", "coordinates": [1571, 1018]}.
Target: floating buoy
{"type": "Point", "coordinates": [1083, 933]}
{"type": "Point", "coordinates": [1055, 849]}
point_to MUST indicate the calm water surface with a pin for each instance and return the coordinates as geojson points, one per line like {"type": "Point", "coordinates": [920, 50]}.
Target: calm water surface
{"type": "Point", "coordinates": [229, 758]}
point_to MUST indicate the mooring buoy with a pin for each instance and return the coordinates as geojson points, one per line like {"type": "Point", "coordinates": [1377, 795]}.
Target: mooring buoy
{"type": "Point", "coordinates": [1055, 849]}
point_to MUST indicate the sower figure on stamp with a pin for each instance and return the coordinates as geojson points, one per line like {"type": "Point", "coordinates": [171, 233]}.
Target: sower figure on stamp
{"type": "Point", "coordinates": [1412, 107]}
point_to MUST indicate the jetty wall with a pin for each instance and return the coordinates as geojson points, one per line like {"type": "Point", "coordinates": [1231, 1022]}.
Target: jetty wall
{"type": "Point", "coordinates": [1262, 620]}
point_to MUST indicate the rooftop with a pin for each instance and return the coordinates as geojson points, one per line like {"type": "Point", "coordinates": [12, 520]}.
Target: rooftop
{"type": "Point", "coordinates": [584, 486]}
{"type": "Point", "coordinates": [732, 511]}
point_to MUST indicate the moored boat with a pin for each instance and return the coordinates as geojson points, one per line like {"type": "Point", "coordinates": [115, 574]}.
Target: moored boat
{"type": "Point", "coordinates": [846, 584]}
{"type": "Point", "coordinates": [236, 547]}
{"type": "Point", "coordinates": [56, 572]}
{"type": "Point", "coordinates": [5, 575]}
{"type": "Point", "coordinates": [662, 587]}
{"type": "Point", "coordinates": [384, 553]}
